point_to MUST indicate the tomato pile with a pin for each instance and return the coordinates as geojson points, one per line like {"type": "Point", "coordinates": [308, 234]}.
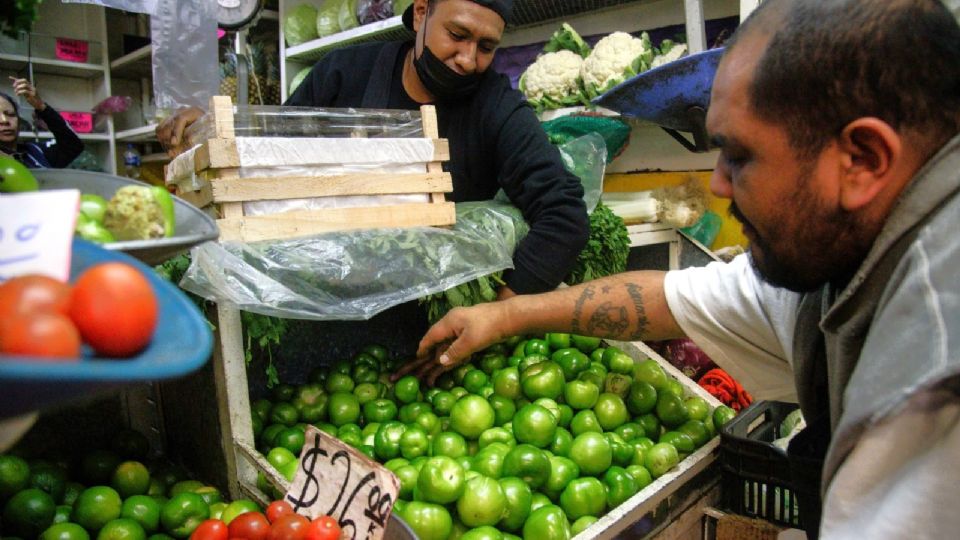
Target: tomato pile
{"type": "Point", "coordinates": [536, 437]}
{"type": "Point", "coordinates": [112, 493]}
{"type": "Point", "coordinates": [111, 307]}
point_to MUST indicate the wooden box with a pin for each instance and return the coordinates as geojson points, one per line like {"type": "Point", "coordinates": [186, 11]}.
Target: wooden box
{"type": "Point", "coordinates": [218, 162]}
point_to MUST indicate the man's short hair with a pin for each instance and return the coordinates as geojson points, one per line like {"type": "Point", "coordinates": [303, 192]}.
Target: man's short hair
{"type": "Point", "coordinates": [829, 62]}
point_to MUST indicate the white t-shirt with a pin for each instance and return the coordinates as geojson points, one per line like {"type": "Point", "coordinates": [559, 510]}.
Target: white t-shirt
{"type": "Point", "coordinates": [892, 485]}
{"type": "Point", "coordinates": [743, 324]}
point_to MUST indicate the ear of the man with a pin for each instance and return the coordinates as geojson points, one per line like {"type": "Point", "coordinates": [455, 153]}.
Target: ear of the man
{"type": "Point", "coordinates": [872, 150]}
{"type": "Point", "coordinates": [419, 14]}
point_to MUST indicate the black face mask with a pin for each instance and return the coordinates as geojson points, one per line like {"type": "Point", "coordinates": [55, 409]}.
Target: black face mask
{"type": "Point", "coordinates": [444, 83]}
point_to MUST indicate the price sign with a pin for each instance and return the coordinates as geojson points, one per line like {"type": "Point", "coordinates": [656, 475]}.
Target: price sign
{"type": "Point", "coordinates": [36, 233]}
{"type": "Point", "coordinates": [337, 480]}
{"type": "Point", "coordinates": [81, 122]}
{"type": "Point", "coordinates": [72, 50]}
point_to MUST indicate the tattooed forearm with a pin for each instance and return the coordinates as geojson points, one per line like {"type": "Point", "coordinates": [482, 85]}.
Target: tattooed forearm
{"type": "Point", "coordinates": [608, 320]}
{"type": "Point", "coordinates": [578, 308]}
{"type": "Point", "coordinates": [636, 294]}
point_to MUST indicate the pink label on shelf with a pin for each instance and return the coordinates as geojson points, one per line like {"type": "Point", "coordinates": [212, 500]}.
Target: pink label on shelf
{"type": "Point", "coordinates": [81, 122]}
{"type": "Point", "coordinates": [72, 50]}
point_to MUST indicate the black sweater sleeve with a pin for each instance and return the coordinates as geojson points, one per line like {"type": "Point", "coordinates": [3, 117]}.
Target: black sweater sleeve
{"type": "Point", "coordinates": [67, 146]}
{"type": "Point", "coordinates": [532, 175]}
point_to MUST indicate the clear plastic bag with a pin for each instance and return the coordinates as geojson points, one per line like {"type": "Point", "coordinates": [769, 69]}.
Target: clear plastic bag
{"type": "Point", "coordinates": [182, 29]}
{"type": "Point", "coordinates": [353, 275]}
{"type": "Point", "coordinates": [586, 157]}
{"type": "Point", "coordinates": [135, 6]}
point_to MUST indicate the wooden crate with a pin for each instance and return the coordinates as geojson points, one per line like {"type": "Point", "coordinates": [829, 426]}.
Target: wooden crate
{"type": "Point", "coordinates": [217, 160]}
{"type": "Point", "coordinates": [667, 497]}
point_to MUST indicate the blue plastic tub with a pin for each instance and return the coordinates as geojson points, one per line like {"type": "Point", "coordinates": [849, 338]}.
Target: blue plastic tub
{"type": "Point", "coordinates": [181, 343]}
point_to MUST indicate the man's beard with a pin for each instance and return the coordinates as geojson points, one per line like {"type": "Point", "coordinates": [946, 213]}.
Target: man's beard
{"type": "Point", "coordinates": [826, 247]}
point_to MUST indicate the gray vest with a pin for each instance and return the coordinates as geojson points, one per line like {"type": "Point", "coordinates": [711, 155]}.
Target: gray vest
{"type": "Point", "coordinates": [861, 352]}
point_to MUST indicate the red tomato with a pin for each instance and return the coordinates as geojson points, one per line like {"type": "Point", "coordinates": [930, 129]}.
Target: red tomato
{"type": "Point", "coordinates": [211, 529]}
{"type": "Point", "coordinates": [278, 509]}
{"type": "Point", "coordinates": [289, 527]}
{"type": "Point", "coordinates": [40, 334]}
{"type": "Point", "coordinates": [249, 525]}
{"type": "Point", "coordinates": [114, 308]}
{"type": "Point", "coordinates": [323, 528]}
{"type": "Point", "coordinates": [33, 292]}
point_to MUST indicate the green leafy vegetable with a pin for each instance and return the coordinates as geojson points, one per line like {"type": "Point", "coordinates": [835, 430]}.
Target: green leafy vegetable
{"type": "Point", "coordinates": [18, 16]}
{"type": "Point", "coordinates": [566, 38]}
{"type": "Point", "coordinates": [607, 248]}
{"type": "Point", "coordinates": [482, 289]}
{"type": "Point", "coordinates": [265, 332]}
{"type": "Point", "coordinates": [261, 331]}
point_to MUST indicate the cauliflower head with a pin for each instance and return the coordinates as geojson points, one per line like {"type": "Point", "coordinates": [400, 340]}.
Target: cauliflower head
{"type": "Point", "coordinates": [669, 52]}
{"type": "Point", "coordinates": [553, 80]}
{"type": "Point", "coordinates": [615, 58]}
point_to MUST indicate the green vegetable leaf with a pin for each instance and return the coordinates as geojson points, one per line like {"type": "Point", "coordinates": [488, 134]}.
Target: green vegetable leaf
{"type": "Point", "coordinates": [607, 248]}
{"type": "Point", "coordinates": [566, 38]}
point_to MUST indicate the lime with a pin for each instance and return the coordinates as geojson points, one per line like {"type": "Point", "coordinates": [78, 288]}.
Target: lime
{"type": "Point", "coordinates": [28, 513]}
{"type": "Point", "coordinates": [14, 475]}
{"type": "Point", "coordinates": [131, 478]}
{"type": "Point", "coordinates": [143, 509]}
{"type": "Point", "coordinates": [65, 531]}
{"type": "Point", "coordinates": [122, 529]}
{"type": "Point", "coordinates": [95, 507]}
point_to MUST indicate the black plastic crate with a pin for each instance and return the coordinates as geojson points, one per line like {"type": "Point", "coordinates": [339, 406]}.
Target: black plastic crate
{"type": "Point", "coordinates": [755, 474]}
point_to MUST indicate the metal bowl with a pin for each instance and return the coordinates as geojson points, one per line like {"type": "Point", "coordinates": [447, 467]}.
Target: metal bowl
{"type": "Point", "coordinates": [192, 225]}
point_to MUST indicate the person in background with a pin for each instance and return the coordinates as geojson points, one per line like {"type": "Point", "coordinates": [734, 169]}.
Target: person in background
{"type": "Point", "coordinates": [58, 153]}
{"type": "Point", "coordinates": [838, 126]}
{"type": "Point", "coordinates": [495, 137]}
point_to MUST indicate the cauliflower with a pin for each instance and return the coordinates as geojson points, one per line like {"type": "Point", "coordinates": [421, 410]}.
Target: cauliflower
{"type": "Point", "coordinates": [140, 213]}
{"type": "Point", "coordinates": [615, 58]}
{"type": "Point", "coordinates": [669, 51]}
{"type": "Point", "coordinates": [553, 81]}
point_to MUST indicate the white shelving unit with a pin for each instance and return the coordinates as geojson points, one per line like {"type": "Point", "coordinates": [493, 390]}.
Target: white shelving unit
{"type": "Point", "coordinates": [65, 85]}
{"type": "Point", "coordinates": [133, 71]}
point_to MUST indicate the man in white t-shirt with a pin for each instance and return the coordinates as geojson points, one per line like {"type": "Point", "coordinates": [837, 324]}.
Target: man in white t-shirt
{"type": "Point", "coordinates": [837, 123]}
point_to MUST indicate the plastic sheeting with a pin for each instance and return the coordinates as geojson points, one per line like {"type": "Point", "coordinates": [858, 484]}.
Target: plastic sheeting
{"type": "Point", "coordinates": [135, 6]}
{"type": "Point", "coordinates": [353, 275]}
{"type": "Point", "coordinates": [180, 30]}
{"type": "Point", "coordinates": [316, 157]}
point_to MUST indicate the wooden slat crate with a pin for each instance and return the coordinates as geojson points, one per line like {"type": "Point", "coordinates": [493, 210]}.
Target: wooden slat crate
{"type": "Point", "coordinates": [217, 160]}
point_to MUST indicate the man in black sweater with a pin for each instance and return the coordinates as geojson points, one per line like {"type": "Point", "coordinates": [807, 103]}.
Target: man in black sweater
{"type": "Point", "coordinates": [495, 138]}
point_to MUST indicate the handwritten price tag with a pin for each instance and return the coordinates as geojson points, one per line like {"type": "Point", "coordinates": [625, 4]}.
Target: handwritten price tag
{"type": "Point", "coordinates": [36, 233]}
{"type": "Point", "coordinates": [72, 50]}
{"type": "Point", "coordinates": [337, 480]}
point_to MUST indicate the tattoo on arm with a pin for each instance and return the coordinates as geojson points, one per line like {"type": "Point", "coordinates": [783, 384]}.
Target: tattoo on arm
{"type": "Point", "coordinates": [636, 294]}
{"type": "Point", "coordinates": [578, 308]}
{"type": "Point", "coordinates": [608, 320]}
